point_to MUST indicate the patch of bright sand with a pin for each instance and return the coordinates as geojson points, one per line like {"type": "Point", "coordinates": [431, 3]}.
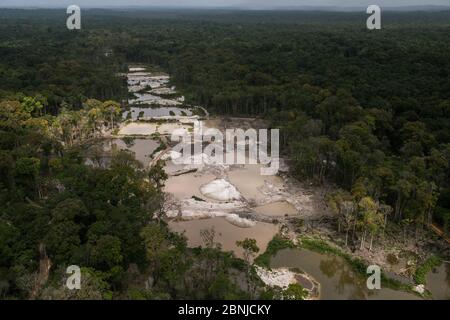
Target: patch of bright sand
{"type": "Point", "coordinates": [136, 128]}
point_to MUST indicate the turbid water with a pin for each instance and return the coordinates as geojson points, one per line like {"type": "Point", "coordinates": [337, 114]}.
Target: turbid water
{"type": "Point", "coordinates": [141, 149]}
{"type": "Point", "coordinates": [187, 185]}
{"type": "Point", "coordinates": [276, 209]}
{"type": "Point", "coordinates": [438, 282]}
{"type": "Point", "coordinates": [336, 278]}
{"type": "Point", "coordinates": [248, 180]}
{"type": "Point", "coordinates": [226, 233]}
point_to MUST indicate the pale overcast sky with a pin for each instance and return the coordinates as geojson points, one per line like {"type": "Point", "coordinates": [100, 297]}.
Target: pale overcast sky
{"type": "Point", "coordinates": [255, 4]}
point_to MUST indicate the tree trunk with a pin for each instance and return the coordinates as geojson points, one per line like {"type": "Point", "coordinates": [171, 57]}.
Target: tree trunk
{"type": "Point", "coordinates": [362, 240]}
{"type": "Point", "coordinates": [404, 234]}
{"type": "Point", "coordinates": [346, 238]}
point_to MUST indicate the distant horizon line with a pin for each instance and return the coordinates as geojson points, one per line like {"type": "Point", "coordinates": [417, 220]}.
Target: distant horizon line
{"type": "Point", "coordinates": [243, 8]}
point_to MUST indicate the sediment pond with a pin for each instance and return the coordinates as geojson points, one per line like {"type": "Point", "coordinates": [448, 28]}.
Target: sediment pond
{"type": "Point", "coordinates": [275, 209]}
{"type": "Point", "coordinates": [187, 185]}
{"type": "Point", "coordinates": [248, 180]}
{"type": "Point", "coordinates": [141, 148]}
{"type": "Point", "coordinates": [438, 282]}
{"type": "Point", "coordinates": [336, 278]}
{"type": "Point", "coordinates": [226, 234]}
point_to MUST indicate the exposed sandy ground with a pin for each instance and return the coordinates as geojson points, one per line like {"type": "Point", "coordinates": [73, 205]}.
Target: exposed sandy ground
{"type": "Point", "coordinates": [147, 129]}
{"type": "Point", "coordinates": [187, 185]}
{"type": "Point", "coordinates": [278, 208]}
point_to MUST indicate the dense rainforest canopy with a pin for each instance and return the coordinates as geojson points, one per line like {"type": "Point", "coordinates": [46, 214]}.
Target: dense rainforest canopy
{"type": "Point", "coordinates": [368, 111]}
